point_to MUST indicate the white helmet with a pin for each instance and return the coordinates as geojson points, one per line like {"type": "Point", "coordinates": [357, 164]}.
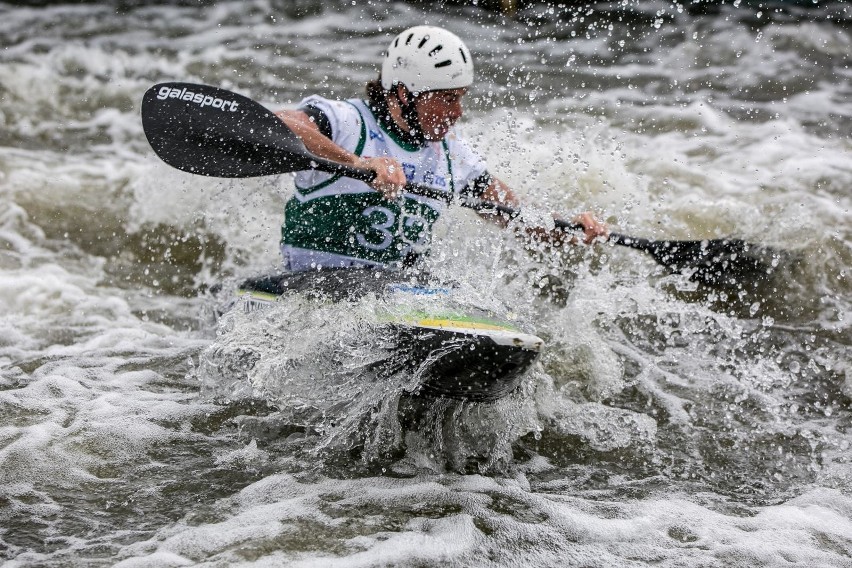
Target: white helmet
{"type": "Point", "coordinates": [427, 58]}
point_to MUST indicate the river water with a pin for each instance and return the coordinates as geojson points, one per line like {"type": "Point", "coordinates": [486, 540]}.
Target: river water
{"type": "Point", "coordinates": [665, 422]}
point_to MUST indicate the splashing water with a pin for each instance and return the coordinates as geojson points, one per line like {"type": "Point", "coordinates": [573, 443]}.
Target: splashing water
{"type": "Point", "coordinates": [665, 422]}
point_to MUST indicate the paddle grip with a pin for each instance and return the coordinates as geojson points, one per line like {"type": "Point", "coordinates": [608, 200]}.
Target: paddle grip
{"type": "Point", "coordinates": [345, 170]}
{"type": "Point", "coordinates": [569, 226]}
{"type": "Point", "coordinates": [367, 176]}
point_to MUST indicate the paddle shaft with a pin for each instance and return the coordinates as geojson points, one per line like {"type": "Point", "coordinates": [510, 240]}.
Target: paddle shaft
{"type": "Point", "coordinates": [368, 176]}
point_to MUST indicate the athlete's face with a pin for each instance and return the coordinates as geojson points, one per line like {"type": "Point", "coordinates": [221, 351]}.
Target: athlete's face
{"type": "Point", "coordinates": [438, 111]}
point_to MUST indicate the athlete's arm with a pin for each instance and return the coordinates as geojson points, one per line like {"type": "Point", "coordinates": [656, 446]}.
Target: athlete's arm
{"type": "Point", "coordinates": [498, 192]}
{"type": "Point", "coordinates": [390, 178]}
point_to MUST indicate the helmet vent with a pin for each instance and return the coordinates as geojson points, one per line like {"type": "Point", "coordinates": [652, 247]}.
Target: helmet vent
{"type": "Point", "coordinates": [464, 58]}
{"type": "Point", "coordinates": [443, 63]}
{"type": "Point", "coordinates": [396, 43]}
{"type": "Point", "coordinates": [436, 50]}
{"type": "Point", "coordinates": [408, 39]}
{"type": "Point", "coordinates": [422, 42]}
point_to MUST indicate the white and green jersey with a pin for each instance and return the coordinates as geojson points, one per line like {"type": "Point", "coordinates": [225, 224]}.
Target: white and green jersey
{"type": "Point", "coordinates": [344, 221]}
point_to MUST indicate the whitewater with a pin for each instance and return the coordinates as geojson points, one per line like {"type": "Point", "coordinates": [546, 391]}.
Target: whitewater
{"type": "Point", "coordinates": [665, 422]}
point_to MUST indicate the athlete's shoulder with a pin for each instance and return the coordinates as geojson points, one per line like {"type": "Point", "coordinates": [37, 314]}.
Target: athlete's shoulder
{"type": "Point", "coordinates": [343, 117]}
{"type": "Point", "coordinates": [460, 147]}
{"type": "Point", "coordinates": [334, 109]}
{"type": "Point", "coordinates": [467, 163]}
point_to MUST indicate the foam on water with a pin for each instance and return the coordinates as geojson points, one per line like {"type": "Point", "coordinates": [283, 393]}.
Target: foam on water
{"type": "Point", "coordinates": [476, 521]}
{"type": "Point", "coordinates": [664, 423]}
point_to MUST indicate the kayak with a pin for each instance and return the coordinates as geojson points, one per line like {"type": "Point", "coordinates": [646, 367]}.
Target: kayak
{"type": "Point", "coordinates": [463, 354]}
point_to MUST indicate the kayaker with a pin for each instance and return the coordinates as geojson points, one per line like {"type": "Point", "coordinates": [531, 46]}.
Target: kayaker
{"type": "Point", "coordinates": [403, 132]}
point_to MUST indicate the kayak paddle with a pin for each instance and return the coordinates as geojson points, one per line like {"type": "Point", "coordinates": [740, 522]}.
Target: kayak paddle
{"type": "Point", "coordinates": [214, 132]}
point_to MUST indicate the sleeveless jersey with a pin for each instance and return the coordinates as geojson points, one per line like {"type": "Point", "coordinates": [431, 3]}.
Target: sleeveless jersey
{"type": "Point", "coordinates": [341, 217]}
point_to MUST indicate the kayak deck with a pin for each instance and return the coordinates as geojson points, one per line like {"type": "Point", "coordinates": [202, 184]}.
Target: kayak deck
{"type": "Point", "coordinates": [462, 356]}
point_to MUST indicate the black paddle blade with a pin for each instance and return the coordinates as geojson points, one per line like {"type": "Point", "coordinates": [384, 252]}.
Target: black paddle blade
{"type": "Point", "coordinates": [213, 132]}
{"type": "Point", "coordinates": [717, 262]}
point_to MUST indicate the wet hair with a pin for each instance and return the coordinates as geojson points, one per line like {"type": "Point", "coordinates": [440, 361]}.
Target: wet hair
{"type": "Point", "coordinates": [377, 98]}
{"type": "Point", "coordinates": [375, 92]}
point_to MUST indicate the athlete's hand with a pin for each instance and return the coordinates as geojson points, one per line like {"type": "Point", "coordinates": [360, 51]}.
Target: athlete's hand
{"type": "Point", "coordinates": [592, 227]}
{"type": "Point", "coordinates": [390, 179]}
